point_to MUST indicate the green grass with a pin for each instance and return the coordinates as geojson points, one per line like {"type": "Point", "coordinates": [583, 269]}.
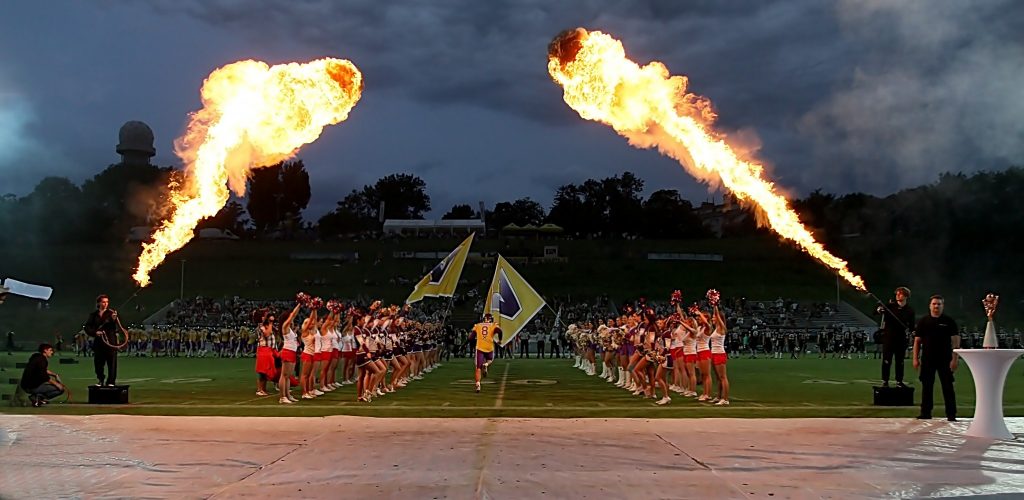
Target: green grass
{"type": "Point", "coordinates": [762, 388]}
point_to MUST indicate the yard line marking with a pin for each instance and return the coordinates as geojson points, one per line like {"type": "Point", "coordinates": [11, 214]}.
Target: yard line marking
{"type": "Point", "coordinates": [446, 403]}
{"type": "Point", "coordinates": [257, 398]}
{"type": "Point", "coordinates": [501, 390]}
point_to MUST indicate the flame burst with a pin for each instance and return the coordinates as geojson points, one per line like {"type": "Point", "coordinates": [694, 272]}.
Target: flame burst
{"type": "Point", "coordinates": [253, 115]}
{"type": "Point", "coordinates": [652, 108]}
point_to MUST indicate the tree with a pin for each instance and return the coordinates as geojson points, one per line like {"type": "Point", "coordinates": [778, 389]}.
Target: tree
{"type": "Point", "coordinates": [231, 218]}
{"type": "Point", "coordinates": [667, 215]}
{"type": "Point", "coordinates": [277, 195]}
{"type": "Point", "coordinates": [460, 212]}
{"type": "Point", "coordinates": [123, 196]}
{"type": "Point", "coordinates": [521, 212]}
{"type": "Point", "coordinates": [404, 196]}
{"type": "Point", "coordinates": [622, 196]}
{"type": "Point", "coordinates": [52, 211]}
{"type": "Point", "coordinates": [567, 210]}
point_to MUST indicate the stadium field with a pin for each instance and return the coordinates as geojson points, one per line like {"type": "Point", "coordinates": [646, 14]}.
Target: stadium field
{"type": "Point", "coordinates": [806, 387]}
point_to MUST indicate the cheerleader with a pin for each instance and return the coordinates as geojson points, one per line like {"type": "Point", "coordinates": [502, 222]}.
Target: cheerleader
{"type": "Point", "coordinates": [677, 334]}
{"type": "Point", "coordinates": [401, 361]}
{"type": "Point", "coordinates": [289, 352]}
{"type": "Point", "coordinates": [309, 335]}
{"type": "Point", "coordinates": [690, 356]}
{"type": "Point", "coordinates": [703, 352]}
{"type": "Point", "coordinates": [326, 353]}
{"type": "Point", "coordinates": [332, 365]}
{"type": "Point", "coordinates": [663, 356]}
{"type": "Point", "coordinates": [265, 369]}
{"type": "Point", "coordinates": [609, 354]}
{"type": "Point", "coordinates": [622, 352]}
{"type": "Point", "coordinates": [719, 357]}
{"type": "Point", "coordinates": [348, 352]}
{"type": "Point", "coordinates": [364, 359]}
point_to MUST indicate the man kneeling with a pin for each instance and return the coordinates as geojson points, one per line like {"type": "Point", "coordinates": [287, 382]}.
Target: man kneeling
{"type": "Point", "coordinates": [38, 381]}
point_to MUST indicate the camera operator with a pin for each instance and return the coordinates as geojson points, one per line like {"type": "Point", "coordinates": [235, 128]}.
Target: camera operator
{"type": "Point", "coordinates": [897, 317]}
{"type": "Point", "coordinates": [38, 381]}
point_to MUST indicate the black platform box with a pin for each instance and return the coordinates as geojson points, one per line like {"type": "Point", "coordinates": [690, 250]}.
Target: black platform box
{"type": "Point", "coordinates": [108, 395]}
{"type": "Point", "coordinates": [894, 396]}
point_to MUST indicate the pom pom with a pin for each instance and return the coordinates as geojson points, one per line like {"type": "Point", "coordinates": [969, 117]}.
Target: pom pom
{"type": "Point", "coordinates": [316, 303]}
{"type": "Point", "coordinates": [302, 298]}
{"type": "Point", "coordinates": [694, 310]}
{"type": "Point", "coordinates": [990, 302]}
{"type": "Point", "coordinates": [677, 297]}
{"type": "Point", "coordinates": [714, 297]}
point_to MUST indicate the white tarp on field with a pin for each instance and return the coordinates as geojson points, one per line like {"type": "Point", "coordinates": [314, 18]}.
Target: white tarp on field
{"type": "Point", "coordinates": [356, 457]}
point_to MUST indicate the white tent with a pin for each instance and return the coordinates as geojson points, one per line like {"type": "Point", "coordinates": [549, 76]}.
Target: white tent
{"type": "Point", "coordinates": [416, 226]}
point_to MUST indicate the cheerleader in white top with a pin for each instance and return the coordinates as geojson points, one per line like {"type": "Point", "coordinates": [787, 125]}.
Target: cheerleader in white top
{"type": "Point", "coordinates": [348, 351]}
{"type": "Point", "coordinates": [289, 351]}
{"type": "Point", "coordinates": [309, 335]}
{"type": "Point", "coordinates": [719, 356]}
{"type": "Point", "coordinates": [326, 352]}
{"type": "Point", "coordinates": [703, 351]}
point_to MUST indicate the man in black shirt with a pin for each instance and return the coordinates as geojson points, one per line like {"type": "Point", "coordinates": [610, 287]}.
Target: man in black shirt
{"type": "Point", "coordinates": [935, 337]}
{"type": "Point", "coordinates": [35, 380]}
{"type": "Point", "coordinates": [103, 325]}
{"type": "Point", "coordinates": [897, 317]}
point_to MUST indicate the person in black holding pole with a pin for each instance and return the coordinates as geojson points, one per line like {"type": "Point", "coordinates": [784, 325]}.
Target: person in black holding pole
{"type": "Point", "coordinates": [103, 326]}
{"type": "Point", "coordinates": [935, 337]}
{"type": "Point", "coordinates": [897, 318]}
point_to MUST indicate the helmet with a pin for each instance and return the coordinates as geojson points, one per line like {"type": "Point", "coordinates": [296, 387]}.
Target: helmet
{"type": "Point", "coordinates": [488, 317]}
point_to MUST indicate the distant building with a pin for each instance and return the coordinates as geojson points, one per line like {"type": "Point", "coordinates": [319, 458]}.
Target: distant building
{"type": "Point", "coordinates": [135, 143]}
{"type": "Point", "coordinates": [716, 218]}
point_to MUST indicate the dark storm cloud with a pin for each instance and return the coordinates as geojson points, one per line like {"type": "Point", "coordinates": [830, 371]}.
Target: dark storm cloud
{"type": "Point", "coordinates": [938, 88]}
{"type": "Point", "coordinates": [846, 96]}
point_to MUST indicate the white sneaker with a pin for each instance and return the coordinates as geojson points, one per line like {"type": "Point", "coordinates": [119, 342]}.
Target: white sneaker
{"type": "Point", "coordinates": [664, 401]}
{"type": "Point", "coordinates": [703, 398]}
{"type": "Point", "coordinates": [326, 388]}
{"type": "Point", "coordinates": [285, 401]}
{"type": "Point", "coordinates": [379, 393]}
{"type": "Point", "coordinates": [318, 392]}
{"type": "Point", "coordinates": [722, 402]}
{"type": "Point", "coordinates": [292, 399]}
{"type": "Point", "coordinates": [262, 393]}
{"type": "Point", "coordinates": [308, 396]}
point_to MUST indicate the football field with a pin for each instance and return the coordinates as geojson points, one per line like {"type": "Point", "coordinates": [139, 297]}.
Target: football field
{"type": "Point", "coordinates": [806, 387]}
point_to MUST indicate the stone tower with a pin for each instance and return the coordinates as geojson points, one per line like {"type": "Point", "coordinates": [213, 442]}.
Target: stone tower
{"type": "Point", "coordinates": [136, 144]}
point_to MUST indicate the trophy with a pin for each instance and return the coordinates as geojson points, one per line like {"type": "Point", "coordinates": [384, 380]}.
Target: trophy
{"type": "Point", "coordinates": [990, 302]}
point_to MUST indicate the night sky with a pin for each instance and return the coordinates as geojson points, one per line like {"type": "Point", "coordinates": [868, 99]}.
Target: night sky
{"type": "Point", "coordinates": [847, 96]}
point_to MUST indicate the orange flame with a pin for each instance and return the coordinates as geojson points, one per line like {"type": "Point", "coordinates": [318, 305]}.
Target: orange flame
{"type": "Point", "coordinates": [652, 108]}
{"type": "Point", "coordinates": [253, 115]}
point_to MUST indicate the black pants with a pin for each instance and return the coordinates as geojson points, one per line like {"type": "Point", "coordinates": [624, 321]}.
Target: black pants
{"type": "Point", "coordinates": [928, 371]}
{"type": "Point", "coordinates": [524, 348]}
{"type": "Point", "coordinates": [105, 358]}
{"type": "Point", "coordinates": [554, 350]}
{"type": "Point", "coordinates": [889, 354]}
{"type": "Point", "coordinates": [540, 348]}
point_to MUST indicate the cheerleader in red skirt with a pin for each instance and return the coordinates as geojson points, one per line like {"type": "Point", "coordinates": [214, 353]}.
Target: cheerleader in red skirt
{"type": "Point", "coordinates": [289, 354]}
{"type": "Point", "coordinates": [265, 353]}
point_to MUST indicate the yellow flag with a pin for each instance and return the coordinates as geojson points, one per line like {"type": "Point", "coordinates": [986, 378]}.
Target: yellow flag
{"type": "Point", "coordinates": [444, 277]}
{"type": "Point", "coordinates": [511, 300]}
